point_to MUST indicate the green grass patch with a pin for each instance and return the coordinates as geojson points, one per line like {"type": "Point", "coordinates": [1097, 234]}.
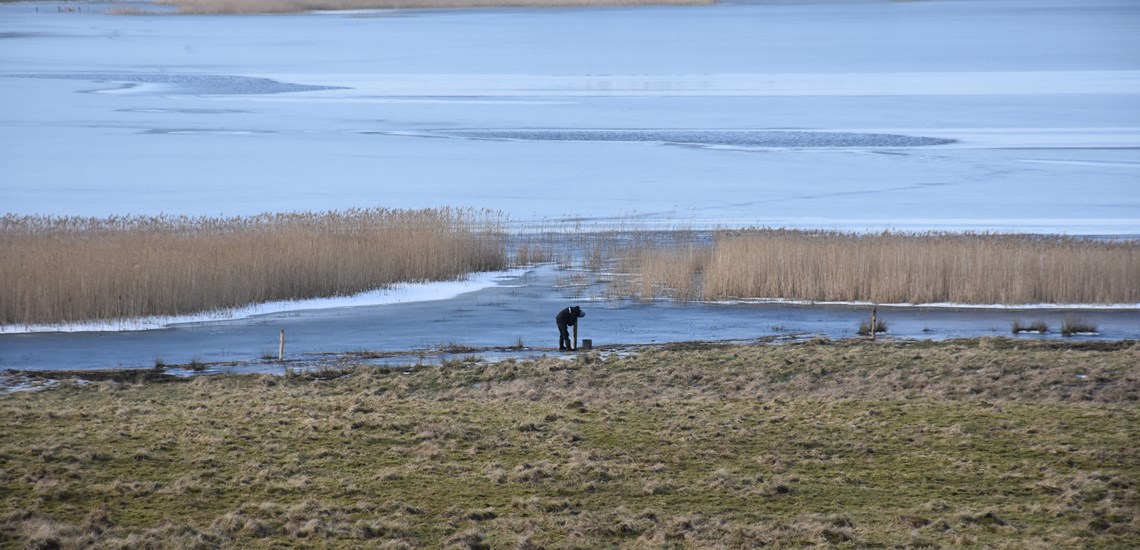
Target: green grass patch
{"type": "Point", "coordinates": [966, 443]}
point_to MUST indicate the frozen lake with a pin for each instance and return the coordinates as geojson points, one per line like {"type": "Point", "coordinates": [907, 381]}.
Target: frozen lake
{"type": "Point", "coordinates": [1016, 115]}
{"type": "Point", "coordinates": [1006, 115]}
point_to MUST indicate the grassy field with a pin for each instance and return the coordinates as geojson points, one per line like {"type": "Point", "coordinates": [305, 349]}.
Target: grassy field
{"type": "Point", "coordinates": [66, 269]}
{"type": "Point", "coordinates": [292, 6]}
{"type": "Point", "coordinates": [976, 443]}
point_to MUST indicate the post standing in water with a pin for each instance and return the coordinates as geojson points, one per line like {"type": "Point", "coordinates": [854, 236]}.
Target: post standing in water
{"type": "Point", "coordinates": [568, 317]}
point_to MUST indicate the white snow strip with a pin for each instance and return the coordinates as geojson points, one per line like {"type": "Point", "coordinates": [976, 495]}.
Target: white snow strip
{"type": "Point", "coordinates": [939, 305]}
{"type": "Point", "coordinates": [402, 293]}
{"type": "Point", "coordinates": [1133, 165]}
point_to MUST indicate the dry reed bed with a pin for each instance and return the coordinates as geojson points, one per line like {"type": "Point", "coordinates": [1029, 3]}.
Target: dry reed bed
{"type": "Point", "coordinates": [292, 6]}
{"type": "Point", "coordinates": [75, 269]}
{"type": "Point", "coordinates": [914, 268]}
{"type": "Point", "coordinates": [974, 443]}
{"type": "Point", "coordinates": [68, 269]}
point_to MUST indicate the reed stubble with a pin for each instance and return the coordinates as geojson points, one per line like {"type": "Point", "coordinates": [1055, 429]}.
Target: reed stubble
{"type": "Point", "coordinates": [68, 269]}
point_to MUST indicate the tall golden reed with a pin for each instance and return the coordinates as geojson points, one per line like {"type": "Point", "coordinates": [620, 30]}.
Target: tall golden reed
{"type": "Point", "coordinates": [68, 269]}
{"type": "Point", "coordinates": [292, 6]}
{"type": "Point", "coordinates": [672, 272]}
{"type": "Point", "coordinates": [890, 267]}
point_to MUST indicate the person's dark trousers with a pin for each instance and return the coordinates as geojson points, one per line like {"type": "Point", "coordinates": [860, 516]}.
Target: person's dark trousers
{"type": "Point", "coordinates": [563, 337]}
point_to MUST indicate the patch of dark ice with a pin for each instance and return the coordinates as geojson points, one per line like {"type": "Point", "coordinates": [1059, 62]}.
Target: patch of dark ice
{"type": "Point", "coordinates": [727, 138]}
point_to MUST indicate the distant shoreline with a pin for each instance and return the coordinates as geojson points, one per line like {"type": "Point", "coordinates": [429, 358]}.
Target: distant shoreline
{"type": "Point", "coordinates": [252, 7]}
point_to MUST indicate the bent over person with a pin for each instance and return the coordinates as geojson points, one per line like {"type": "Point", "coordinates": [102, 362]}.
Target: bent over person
{"type": "Point", "coordinates": [568, 317]}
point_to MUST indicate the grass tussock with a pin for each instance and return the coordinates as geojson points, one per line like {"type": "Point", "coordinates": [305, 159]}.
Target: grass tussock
{"type": "Point", "coordinates": [1073, 325]}
{"type": "Point", "coordinates": [1035, 327]}
{"type": "Point", "coordinates": [972, 443]}
{"type": "Point", "coordinates": [865, 327]}
{"type": "Point", "coordinates": [67, 269]}
{"type": "Point", "coordinates": [895, 268]}
{"type": "Point", "coordinates": [293, 6]}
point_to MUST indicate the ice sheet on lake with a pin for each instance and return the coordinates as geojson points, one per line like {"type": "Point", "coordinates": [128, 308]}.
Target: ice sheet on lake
{"type": "Point", "coordinates": [237, 115]}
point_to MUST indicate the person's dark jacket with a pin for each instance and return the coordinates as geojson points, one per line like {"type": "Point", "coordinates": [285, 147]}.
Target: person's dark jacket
{"type": "Point", "coordinates": [569, 316]}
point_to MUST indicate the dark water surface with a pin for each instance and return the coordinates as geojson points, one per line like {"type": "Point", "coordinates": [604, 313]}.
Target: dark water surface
{"type": "Point", "coordinates": [734, 138]}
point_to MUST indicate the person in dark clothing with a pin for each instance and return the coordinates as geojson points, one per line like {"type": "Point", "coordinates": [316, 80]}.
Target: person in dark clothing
{"type": "Point", "coordinates": [568, 317]}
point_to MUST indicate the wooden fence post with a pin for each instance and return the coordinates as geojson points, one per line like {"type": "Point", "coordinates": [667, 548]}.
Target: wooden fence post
{"type": "Point", "coordinates": [281, 347]}
{"type": "Point", "coordinates": [576, 334]}
{"type": "Point", "coordinates": [873, 321]}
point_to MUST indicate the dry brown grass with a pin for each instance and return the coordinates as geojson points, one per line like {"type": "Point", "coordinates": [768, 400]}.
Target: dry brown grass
{"type": "Point", "coordinates": [66, 269]}
{"type": "Point", "coordinates": [292, 6]}
{"type": "Point", "coordinates": [896, 268]}
{"type": "Point", "coordinates": [984, 443]}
